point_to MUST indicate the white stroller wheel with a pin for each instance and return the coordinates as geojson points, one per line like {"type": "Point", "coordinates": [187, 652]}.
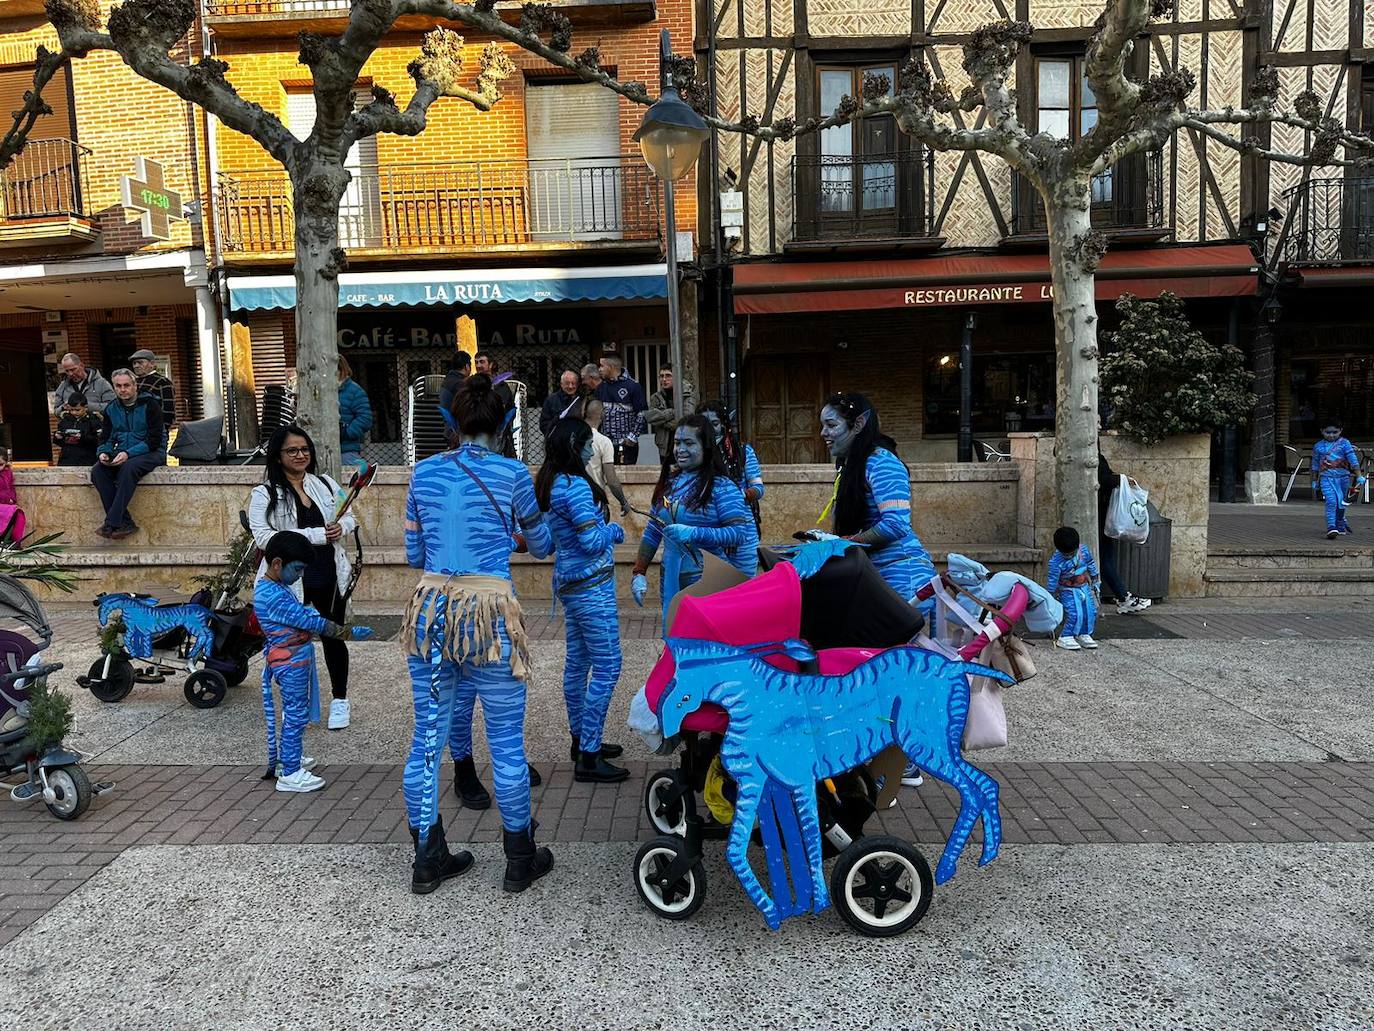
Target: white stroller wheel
{"type": "Point", "coordinates": [881, 886]}
{"type": "Point", "coordinates": [672, 899]}
{"type": "Point", "coordinates": [667, 814]}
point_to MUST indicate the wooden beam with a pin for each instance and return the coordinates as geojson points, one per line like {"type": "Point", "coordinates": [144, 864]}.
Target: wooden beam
{"type": "Point", "coordinates": [974, 158]}
{"type": "Point", "coordinates": [1283, 27]}
{"type": "Point", "coordinates": [774, 91]}
{"type": "Point", "coordinates": [1304, 60]}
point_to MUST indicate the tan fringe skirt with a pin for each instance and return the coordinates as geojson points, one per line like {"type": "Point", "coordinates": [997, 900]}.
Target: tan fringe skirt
{"type": "Point", "coordinates": [471, 606]}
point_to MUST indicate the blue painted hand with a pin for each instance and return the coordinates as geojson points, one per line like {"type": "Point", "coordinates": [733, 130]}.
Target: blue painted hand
{"type": "Point", "coordinates": [617, 533]}
{"type": "Point", "coordinates": [361, 633]}
{"type": "Point", "coordinates": [679, 533]}
{"type": "Point", "coordinates": [639, 587]}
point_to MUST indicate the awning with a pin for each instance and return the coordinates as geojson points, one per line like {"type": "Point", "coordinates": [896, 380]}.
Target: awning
{"type": "Point", "coordinates": [1212, 270]}
{"type": "Point", "coordinates": [1330, 278]}
{"type": "Point", "coordinates": [463, 287]}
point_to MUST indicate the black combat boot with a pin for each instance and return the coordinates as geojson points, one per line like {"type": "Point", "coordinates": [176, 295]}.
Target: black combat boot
{"type": "Point", "coordinates": [436, 863]}
{"type": "Point", "coordinates": [468, 787]}
{"type": "Point", "coordinates": [525, 863]}
{"type": "Point", "coordinates": [593, 768]}
{"type": "Point", "coordinates": [607, 751]}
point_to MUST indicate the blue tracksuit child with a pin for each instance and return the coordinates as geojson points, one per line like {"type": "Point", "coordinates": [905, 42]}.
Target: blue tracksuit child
{"type": "Point", "coordinates": [1334, 462]}
{"type": "Point", "coordinates": [1075, 581]}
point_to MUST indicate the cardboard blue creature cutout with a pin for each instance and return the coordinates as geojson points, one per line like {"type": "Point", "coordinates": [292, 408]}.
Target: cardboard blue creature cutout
{"type": "Point", "coordinates": [144, 619]}
{"type": "Point", "coordinates": [790, 730]}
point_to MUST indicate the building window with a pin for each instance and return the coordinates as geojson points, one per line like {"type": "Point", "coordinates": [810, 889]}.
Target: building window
{"type": "Point", "coordinates": [1012, 392]}
{"type": "Point", "coordinates": [1067, 109]}
{"type": "Point", "coordinates": [360, 209]}
{"type": "Point", "coordinates": [576, 179]}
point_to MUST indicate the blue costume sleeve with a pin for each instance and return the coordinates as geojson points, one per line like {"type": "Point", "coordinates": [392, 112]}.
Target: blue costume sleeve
{"type": "Point", "coordinates": [594, 534]}
{"type": "Point", "coordinates": [538, 537]}
{"type": "Point", "coordinates": [733, 520]}
{"type": "Point", "coordinates": [891, 489]}
{"type": "Point", "coordinates": [1091, 563]}
{"type": "Point", "coordinates": [281, 607]}
{"type": "Point", "coordinates": [415, 537]}
{"type": "Point", "coordinates": [753, 472]}
{"type": "Point", "coordinates": [1057, 562]}
{"type": "Point", "coordinates": [653, 537]}
{"type": "Point", "coordinates": [1347, 451]}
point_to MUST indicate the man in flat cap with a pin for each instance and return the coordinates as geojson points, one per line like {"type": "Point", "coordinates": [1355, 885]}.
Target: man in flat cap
{"type": "Point", "coordinates": [150, 381]}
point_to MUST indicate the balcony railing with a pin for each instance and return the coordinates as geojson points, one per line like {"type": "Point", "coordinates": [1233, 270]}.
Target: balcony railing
{"type": "Point", "coordinates": [1129, 195]}
{"type": "Point", "coordinates": [233, 8]}
{"type": "Point", "coordinates": [853, 198]}
{"type": "Point", "coordinates": [47, 180]}
{"type": "Point", "coordinates": [1329, 221]}
{"type": "Point", "coordinates": [457, 206]}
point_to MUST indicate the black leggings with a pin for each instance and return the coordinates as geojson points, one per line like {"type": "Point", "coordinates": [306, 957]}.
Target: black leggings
{"type": "Point", "coordinates": [1108, 556]}
{"type": "Point", "coordinates": [330, 604]}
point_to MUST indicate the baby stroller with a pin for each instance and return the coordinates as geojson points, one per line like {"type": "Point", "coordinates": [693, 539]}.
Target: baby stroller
{"type": "Point", "coordinates": [880, 885]}
{"type": "Point", "coordinates": [214, 638]}
{"type": "Point", "coordinates": [51, 771]}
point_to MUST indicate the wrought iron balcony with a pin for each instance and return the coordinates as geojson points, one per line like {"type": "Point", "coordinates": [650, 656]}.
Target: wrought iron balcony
{"type": "Point", "coordinates": [457, 207]}
{"type": "Point", "coordinates": [1329, 222]}
{"type": "Point", "coordinates": [44, 194]}
{"type": "Point", "coordinates": [1126, 198]}
{"type": "Point", "coordinates": [244, 18]}
{"type": "Point", "coordinates": [839, 199]}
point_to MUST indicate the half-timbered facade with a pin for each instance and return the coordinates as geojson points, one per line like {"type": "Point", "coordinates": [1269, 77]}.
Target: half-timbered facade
{"type": "Point", "coordinates": [863, 260]}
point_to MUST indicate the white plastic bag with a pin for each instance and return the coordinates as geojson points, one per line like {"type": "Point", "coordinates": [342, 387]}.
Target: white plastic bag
{"type": "Point", "coordinates": [1128, 513]}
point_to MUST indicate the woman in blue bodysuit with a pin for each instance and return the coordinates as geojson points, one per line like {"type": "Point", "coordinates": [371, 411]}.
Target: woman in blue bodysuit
{"type": "Point", "coordinates": [584, 582]}
{"type": "Point", "coordinates": [740, 460]}
{"type": "Point", "coordinates": [697, 509]}
{"type": "Point", "coordinates": [872, 501]}
{"type": "Point", "coordinates": [464, 633]}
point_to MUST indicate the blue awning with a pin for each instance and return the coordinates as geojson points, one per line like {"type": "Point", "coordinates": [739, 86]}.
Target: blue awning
{"type": "Point", "coordinates": [463, 287]}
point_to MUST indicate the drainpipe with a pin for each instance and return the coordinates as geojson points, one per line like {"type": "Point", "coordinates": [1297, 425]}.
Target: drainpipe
{"type": "Point", "coordinates": [966, 388]}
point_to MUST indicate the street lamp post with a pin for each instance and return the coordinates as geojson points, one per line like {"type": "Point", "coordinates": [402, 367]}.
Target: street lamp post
{"type": "Point", "coordinates": [670, 138]}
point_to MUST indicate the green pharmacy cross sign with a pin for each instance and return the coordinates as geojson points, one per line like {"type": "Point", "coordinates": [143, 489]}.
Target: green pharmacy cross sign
{"type": "Point", "coordinates": [145, 191]}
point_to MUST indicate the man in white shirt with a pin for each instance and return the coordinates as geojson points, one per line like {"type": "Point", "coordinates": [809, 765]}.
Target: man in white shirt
{"type": "Point", "coordinates": [602, 466]}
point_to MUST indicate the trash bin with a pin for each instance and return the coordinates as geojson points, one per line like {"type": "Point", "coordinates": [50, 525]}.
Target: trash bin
{"type": "Point", "coordinates": [1144, 568]}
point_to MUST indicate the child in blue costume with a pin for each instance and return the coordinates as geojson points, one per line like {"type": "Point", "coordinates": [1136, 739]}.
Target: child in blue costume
{"type": "Point", "coordinates": [1334, 462]}
{"type": "Point", "coordinates": [584, 582]}
{"type": "Point", "coordinates": [740, 459]}
{"type": "Point", "coordinates": [1074, 580]}
{"type": "Point", "coordinates": [872, 501]}
{"type": "Point", "coordinates": [699, 509]}
{"type": "Point", "coordinates": [464, 633]}
{"type": "Point", "coordinates": [288, 628]}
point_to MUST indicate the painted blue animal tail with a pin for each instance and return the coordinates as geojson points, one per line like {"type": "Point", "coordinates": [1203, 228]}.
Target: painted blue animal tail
{"type": "Point", "coordinates": [974, 669]}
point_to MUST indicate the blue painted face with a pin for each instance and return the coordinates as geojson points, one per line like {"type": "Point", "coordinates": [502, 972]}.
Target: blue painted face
{"type": "Point", "coordinates": [1331, 433]}
{"type": "Point", "coordinates": [688, 452]}
{"type": "Point", "coordinates": [716, 426]}
{"type": "Point", "coordinates": [837, 434]}
{"type": "Point", "coordinates": [291, 572]}
{"type": "Point", "coordinates": [587, 452]}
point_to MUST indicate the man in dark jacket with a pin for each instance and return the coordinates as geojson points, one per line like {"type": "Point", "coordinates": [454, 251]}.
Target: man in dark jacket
{"type": "Point", "coordinates": [150, 381]}
{"type": "Point", "coordinates": [459, 369]}
{"type": "Point", "coordinates": [625, 406]}
{"type": "Point", "coordinates": [557, 403]}
{"type": "Point", "coordinates": [134, 445]}
{"type": "Point", "coordinates": [78, 432]}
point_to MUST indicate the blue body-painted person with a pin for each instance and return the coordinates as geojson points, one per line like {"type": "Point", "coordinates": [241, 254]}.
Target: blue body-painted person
{"type": "Point", "coordinates": [289, 629]}
{"type": "Point", "coordinates": [1334, 462]}
{"type": "Point", "coordinates": [740, 460]}
{"type": "Point", "coordinates": [696, 509]}
{"type": "Point", "coordinates": [584, 582]}
{"type": "Point", "coordinates": [872, 500]}
{"type": "Point", "coordinates": [464, 633]}
{"type": "Point", "coordinates": [1075, 581]}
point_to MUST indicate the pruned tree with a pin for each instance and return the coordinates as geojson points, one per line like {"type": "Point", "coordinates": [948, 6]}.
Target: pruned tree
{"type": "Point", "coordinates": [34, 107]}
{"type": "Point", "coordinates": [1133, 117]}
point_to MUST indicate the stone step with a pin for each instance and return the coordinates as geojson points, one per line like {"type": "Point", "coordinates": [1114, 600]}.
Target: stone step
{"type": "Point", "coordinates": [120, 566]}
{"type": "Point", "coordinates": [1291, 583]}
{"type": "Point", "coordinates": [1337, 555]}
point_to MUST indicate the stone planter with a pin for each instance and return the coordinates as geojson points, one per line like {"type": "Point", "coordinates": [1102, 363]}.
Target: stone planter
{"type": "Point", "coordinates": [1175, 472]}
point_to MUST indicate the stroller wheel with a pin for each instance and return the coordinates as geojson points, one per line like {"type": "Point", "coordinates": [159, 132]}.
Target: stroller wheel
{"type": "Point", "coordinates": [205, 689]}
{"type": "Point", "coordinates": [671, 897]}
{"type": "Point", "coordinates": [881, 886]}
{"type": "Point", "coordinates": [72, 789]}
{"type": "Point", "coordinates": [239, 673]}
{"type": "Point", "coordinates": [665, 801]}
{"type": "Point", "coordinates": [117, 685]}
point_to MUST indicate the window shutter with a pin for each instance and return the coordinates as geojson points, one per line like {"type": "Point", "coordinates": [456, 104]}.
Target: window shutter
{"type": "Point", "coordinates": [575, 179]}
{"type": "Point", "coordinates": [14, 81]}
{"type": "Point", "coordinates": [269, 351]}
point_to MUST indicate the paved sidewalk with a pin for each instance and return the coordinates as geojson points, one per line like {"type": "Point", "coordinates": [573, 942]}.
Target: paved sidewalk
{"type": "Point", "coordinates": [1041, 803]}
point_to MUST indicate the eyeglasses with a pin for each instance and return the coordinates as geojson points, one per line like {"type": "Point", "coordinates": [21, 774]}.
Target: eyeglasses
{"type": "Point", "coordinates": [296, 452]}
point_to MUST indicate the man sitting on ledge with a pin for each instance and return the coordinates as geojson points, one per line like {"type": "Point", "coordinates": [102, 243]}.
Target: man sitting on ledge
{"type": "Point", "coordinates": [134, 445]}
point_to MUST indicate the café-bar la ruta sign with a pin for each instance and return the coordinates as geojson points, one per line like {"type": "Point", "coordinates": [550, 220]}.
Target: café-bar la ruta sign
{"type": "Point", "coordinates": [146, 192]}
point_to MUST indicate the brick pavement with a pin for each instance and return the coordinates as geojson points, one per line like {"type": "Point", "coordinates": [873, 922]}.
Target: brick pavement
{"type": "Point", "coordinates": [1041, 803]}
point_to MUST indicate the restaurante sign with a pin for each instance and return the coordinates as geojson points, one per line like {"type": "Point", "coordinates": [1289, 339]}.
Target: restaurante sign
{"type": "Point", "coordinates": [1009, 293]}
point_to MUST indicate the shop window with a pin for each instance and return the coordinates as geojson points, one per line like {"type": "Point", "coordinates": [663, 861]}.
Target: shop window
{"type": "Point", "coordinates": [575, 174]}
{"type": "Point", "coordinates": [118, 340]}
{"type": "Point", "coordinates": [1012, 393]}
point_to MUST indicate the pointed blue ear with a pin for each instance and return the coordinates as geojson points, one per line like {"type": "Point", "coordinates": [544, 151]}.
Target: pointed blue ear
{"type": "Point", "coordinates": [795, 649]}
{"type": "Point", "coordinates": [449, 420]}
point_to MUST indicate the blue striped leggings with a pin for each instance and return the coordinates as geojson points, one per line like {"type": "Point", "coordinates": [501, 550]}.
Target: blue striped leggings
{"type": "Point", "coordinates": [592, 667]}
{"type": "Point", "coordinates": [293, 682]}
{"type": "Point", "coordinates": [440, 689]}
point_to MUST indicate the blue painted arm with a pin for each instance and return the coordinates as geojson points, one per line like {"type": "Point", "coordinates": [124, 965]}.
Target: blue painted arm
{"type": "Point", "coordinates": [281, 607]}
{"type": "Point", "coordinates": [1091, 563]}
{"type": "Point", "coordinates": [891, 489]}
{"type": "Point", "coordinates": [753, 473]}
{"type": "Point", "coordinates": [653, 537]}
{"type": "Point", "coordinates": [1056, 571]}
{"type": "Point", "coordinates": [732, 520]}
{"type": "Point", "coordinates": [415, 532]}
{"type": "Point", "coordinates": [538, 536]}
{"type": "Point", "coordinates": [594, 534]}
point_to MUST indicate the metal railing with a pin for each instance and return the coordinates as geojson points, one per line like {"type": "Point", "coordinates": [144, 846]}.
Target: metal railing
{"type": "Point", "coordinates": [870, 196]}
{"type": "Point", "coordinates": [47, 180]}
{"type": "Point", "coordinates": [1329, 221]}
{"type": "Point", "coordinates": [233, 8]}
{"type": "Point", "coordinates": [1129, 195]}
{"type": "Point", "coordinates": [458, 206]}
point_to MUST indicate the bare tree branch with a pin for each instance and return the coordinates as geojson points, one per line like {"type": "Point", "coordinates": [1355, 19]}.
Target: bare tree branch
{"type": "Point", "coordinates": [34, 106]}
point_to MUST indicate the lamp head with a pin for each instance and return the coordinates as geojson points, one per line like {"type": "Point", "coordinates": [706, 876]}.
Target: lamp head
{"type": "Point", "coordinates": [670, 137]}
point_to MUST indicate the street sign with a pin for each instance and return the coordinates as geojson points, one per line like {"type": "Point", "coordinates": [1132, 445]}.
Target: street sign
{"type": "Point", "coordinates": [145, 191]}
{"type": "Point", "coordinates": [731, 209]}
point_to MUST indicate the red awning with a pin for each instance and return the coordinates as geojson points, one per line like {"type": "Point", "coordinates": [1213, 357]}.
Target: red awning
{"type": "Point", "coordinates": [1212, 270]}
{"type": "Point", "coordinates": [1350, 275]}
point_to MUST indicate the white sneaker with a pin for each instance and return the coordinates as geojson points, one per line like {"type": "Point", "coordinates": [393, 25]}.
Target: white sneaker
{"type": "Point", "coordinates": [1086, 641]}
{"type": "Point", "coordinates": [301, 780]}
{"type": "Point", "coordinates": [1069, 644]}
{"type": "Point", "coordinates": [911, 776]}
{"type": "Point", "coordinates": [1132, 604]}
{"type": "Point", "coordinates": [307, 763]}
{"type": "Point", "coordinates": [338, 713]}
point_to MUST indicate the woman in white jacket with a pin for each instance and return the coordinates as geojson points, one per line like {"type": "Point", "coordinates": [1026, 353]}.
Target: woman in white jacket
{"type": "Point", "coordinates": [296, 497]}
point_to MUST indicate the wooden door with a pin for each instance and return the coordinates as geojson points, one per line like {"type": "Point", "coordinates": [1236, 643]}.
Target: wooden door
{"type": "Point", "coordinates": [784, 397]}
